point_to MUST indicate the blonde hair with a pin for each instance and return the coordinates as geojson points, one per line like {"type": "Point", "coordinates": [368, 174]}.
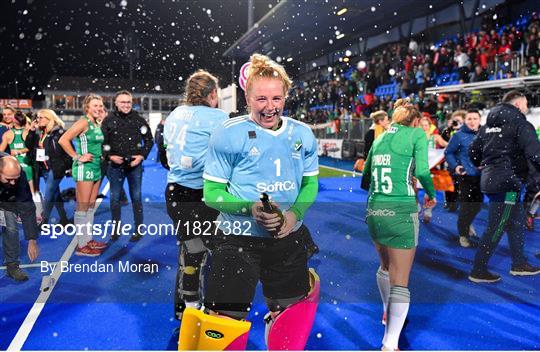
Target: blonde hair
{"type": "Point", "coordinates": [461, 113]}
{"type": "Point", "coordinates": [378, 116]}
{"type": "Point", "coordinates": [199, 86]}
{"type": "Point", "coordinates": [54, 120]}
{"type": "Point", "coordinates": [88, 99]}
{"type": "Point", "coordinates": [264, 67]}
{"type": "Point", "coordinates": [10, 108]}
{"type": "Point", "coordinates": [404, 112]}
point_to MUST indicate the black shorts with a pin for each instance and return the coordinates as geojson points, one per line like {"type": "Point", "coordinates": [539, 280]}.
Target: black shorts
{"type": "Point", "coordinates": [185, 205]}
{"type": "Point", "coordinates": [239, 262]}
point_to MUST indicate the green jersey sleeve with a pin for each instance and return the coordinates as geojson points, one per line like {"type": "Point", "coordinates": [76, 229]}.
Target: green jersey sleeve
{"type": "Point", "coordinates": [422, 166]}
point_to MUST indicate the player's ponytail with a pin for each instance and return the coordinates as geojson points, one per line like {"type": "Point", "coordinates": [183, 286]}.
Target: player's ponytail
{"type": "Point", "coordinates": [199, 86]}
{"type": "Point", "coordinates": [404, 112]}
{"type": "Point", "coordinates": [264, 67]}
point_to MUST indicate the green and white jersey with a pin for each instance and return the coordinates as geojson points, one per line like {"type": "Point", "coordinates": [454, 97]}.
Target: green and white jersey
{"type": "Point", "coordinates": [395, 157]}
{"type": "Point", "coordinates": [90, 141]}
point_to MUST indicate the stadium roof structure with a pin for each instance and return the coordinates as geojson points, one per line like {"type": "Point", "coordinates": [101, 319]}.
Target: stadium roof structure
{"type": "Point", "coordinates": [303, 30]}
{"type": "Point", "coordinates": [67, 85]}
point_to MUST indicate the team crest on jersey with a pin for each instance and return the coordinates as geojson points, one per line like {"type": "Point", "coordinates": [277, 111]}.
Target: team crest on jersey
{"type": "Point", "coordinates": [297, 145]}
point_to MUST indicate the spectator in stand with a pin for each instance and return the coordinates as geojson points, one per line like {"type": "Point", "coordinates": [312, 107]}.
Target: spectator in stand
{"type": "Point", "coordinates": [532, 67]}
{"type": "Point", "coordinates": [479, 75]}
{"type": "Point", "coordinates": [462, 61]}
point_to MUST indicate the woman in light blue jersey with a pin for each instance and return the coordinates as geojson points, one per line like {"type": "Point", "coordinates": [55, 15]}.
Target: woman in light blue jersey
{"type": "Point", "coordinates": [186, 135]}
{"type": "Point", "coordinates": [248, 156]}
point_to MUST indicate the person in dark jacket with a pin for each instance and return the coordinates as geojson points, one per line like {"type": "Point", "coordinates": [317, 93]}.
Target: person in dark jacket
{"type": "Point", "coordinates": [161, 154]}
{"type": "Point", "coordinates": [457, 157]}
{"type": "Point", "coordinates": [16, 199]}
{"type": "Point", "coordinates": [127, 142]}
{"type": "Point", "coordinates": [380, 124]}
{"type": "Point", "coordinates": [531, 200]}
{"type": "Point", "coordinates": [501, 150]}
{"type": "Point", "coordinates": [52, 161]}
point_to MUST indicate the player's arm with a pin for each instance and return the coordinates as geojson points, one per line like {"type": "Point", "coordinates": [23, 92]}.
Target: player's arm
{"type": "Point", "coordinates": [148, 140]}
{"type": "Point", "coordinates": [366, 174]}
{"type": "Point", "coordinates": [6, 140]}
{"type": "Point", "coordinates": [451, 153]}
{"type": "Point", "coordinates": [75, 130]}
{"type": "Point", "coordinates": [476, 148]}
{"type": "Point", "coordinates": [528, 142]}
{"type": "Point", "coordinates": [217, 197]}
{"type": "Point", "coordinates": [306, 196]}
{"type": "Point", "coordinates": [422, 167]}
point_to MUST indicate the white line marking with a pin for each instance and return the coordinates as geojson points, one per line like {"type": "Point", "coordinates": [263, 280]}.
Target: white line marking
{"type": "Point", "coordinates": [33, 265]}
{"type": "Point", "coordinates": [28, 323]}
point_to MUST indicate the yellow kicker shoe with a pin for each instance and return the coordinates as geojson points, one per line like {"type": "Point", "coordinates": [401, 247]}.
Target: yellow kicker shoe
{"type": "Point", "coordinates": [200, 331]}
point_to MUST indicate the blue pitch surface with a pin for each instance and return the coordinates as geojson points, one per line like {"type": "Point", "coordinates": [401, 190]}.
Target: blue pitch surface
{"type": "Point", "coordinates": [133, 311]}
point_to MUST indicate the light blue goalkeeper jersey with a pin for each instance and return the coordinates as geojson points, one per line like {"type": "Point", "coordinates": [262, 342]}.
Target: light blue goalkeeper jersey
{"type": "Point", "coordinates": [186, 134]}
{"type": "Point", "coordinates": [252, 160]}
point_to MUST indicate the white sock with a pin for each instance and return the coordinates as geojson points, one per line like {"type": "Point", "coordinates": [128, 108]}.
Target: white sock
{"type": "Point", "coordinates": [398, 307]}
{"type": "Point", "coordinates": [90, 220]}
{"type": "Point", "coordinates": [383, 282]}
{"type": "Point", "coordinates": [79, 221]}
{"type": "Point", "coordinates": [195, 304]}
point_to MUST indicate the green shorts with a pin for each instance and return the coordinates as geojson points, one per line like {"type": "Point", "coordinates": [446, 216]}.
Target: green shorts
{"type": "Point", "coordinates": [90, 171]}
{"type": "Point", "coordinates": [393, 224]}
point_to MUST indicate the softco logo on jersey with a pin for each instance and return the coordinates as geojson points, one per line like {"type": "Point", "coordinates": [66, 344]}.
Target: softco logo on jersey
{"type": "Point", "coordinates": [493, 130]}
{"type": "Point", "coordinates": [381, 212]}
{"type": "Point", "coordinates": [276, 186]}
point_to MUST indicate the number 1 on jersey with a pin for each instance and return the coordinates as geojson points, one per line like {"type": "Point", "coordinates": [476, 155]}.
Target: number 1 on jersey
{"type": "Point", "coordinates": [278, 167]}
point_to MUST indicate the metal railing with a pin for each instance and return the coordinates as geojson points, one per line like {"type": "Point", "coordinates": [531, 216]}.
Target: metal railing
{"type": "Point", "coordinates": [353, 129]}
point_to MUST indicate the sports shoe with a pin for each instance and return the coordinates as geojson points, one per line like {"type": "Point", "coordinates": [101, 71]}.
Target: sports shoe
{"type": "Point", "coordinates": [97, 245]}
{"type": "Point", "coordinates": [484, 277]}
{"type": "Point", "coordinates": [87, 252]}
{"type": "Point", "coordinates": [428, 214]}
{"type": "Point", "coordinates": [384, 348]}
{"type": "Point", "coordinates": [464, 242]}
{"type": "Point", "coordinates": [525, 270]}
{"type": "Point", "coordinates": [529, 222]}
{"type": "Point", "coordinates": [16, 273]}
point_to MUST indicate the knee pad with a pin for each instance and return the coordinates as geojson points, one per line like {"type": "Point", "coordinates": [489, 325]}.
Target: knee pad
{"type": "Point", "coordinates": [201, 331]}
{"type": "Point", "coordinates": [189, 278]}
{"type": "Point", "coordinates": [290, 329]}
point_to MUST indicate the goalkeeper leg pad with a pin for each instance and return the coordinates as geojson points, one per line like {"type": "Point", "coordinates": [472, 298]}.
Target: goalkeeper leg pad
{"type": "Point", "coordinates": [291, 328]}
{"type": "Point", "coordinates": [201, 331]}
